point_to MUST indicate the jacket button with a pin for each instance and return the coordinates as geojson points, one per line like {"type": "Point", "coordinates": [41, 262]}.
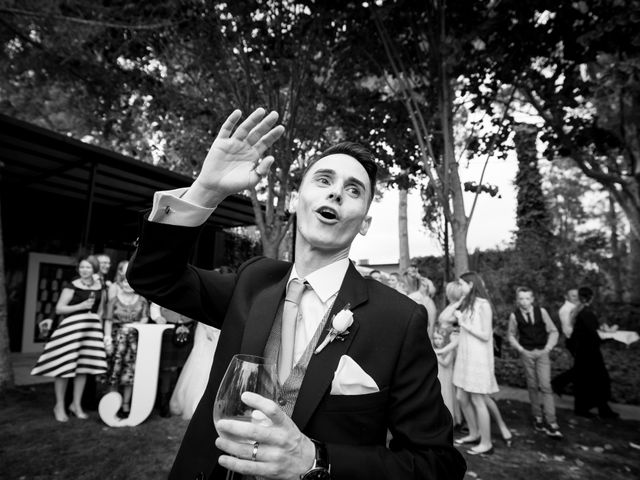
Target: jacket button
{"type": "Point", "coordinates": [282, 401]}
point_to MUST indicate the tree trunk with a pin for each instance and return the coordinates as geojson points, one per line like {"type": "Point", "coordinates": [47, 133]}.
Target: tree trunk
{"type": "Point", "coordinates": [403, 230]}
{"type": "Point", "coordinates": [6, 370]}
{"type": "Point", "coordinates": [616, 271]}
{"type": "Point", "coordinates": [452, 186]}
{"type": "Point", "coordinates": [269, 247]}
{"type": "Point", "coordinates": [460, 251]}
{"type": "Point", "coordinates": [634, 270]}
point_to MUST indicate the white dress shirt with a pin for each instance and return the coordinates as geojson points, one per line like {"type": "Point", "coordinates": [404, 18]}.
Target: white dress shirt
{"type": "Point", "coordinates": [325, 284]}
{"type": "Point", "coordinates": [169, 208]}
{"type": "Point", "coordinates": [565, 318]}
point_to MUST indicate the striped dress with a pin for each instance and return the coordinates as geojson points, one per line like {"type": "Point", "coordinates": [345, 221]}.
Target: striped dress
{"type": "Point", "coordinates": [77, 345]}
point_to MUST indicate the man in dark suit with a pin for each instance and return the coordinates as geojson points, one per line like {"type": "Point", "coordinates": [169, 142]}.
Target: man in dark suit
{"type": "Point", "coordinates": [340, 403]}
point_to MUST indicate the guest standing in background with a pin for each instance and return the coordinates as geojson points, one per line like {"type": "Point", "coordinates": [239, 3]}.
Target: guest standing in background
{"type": "Point", "coordinates": [418, 291]}
{"type": "Point", "coordinates": [473, 372]}
{"type": "Point", "coordinates": [195, 374]}
{"type": "Point", "coordinates": [567, 317]}
{"type": "Point", "coordinates": [176, 346]}
{"type": "Point", "coordinates": [104, 262]}
{"type": "Point", "coordinates": [76, 347]}
{"type": "Point", "coordinates": [591, 380]}
{"type": "Point", "coordinates": [121, 340]}
{"type": "Point", "coordinates": [533, 335]}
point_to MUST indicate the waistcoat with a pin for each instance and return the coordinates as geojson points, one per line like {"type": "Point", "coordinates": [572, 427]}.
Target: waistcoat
{"type": "Point", "coordinates": [531, 336]}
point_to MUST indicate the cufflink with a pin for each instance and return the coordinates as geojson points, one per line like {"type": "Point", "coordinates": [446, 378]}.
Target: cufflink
{"type": "Point", "coordinates": [167, 210]}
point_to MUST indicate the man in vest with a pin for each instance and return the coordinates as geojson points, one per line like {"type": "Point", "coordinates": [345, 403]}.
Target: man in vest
{"type": "Point", "coordinates": [533, 335]}
{"type": "Point", "coordinates": [339, 402]}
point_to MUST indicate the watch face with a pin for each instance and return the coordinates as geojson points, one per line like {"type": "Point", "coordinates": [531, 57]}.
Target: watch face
{"type": "Point", "coordinates": [317, 474]}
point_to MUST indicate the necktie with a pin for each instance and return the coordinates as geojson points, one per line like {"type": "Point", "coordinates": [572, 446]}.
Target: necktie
{"type": "Point", "coordinates": [289, 316]}
{"type": "Point", "coordinates": [529, 318]}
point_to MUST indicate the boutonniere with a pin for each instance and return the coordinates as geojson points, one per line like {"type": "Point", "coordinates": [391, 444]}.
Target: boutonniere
{"type": "Point", "coordinates": [339, 324]}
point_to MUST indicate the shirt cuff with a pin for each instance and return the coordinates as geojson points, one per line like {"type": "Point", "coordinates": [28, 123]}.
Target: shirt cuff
{"type": "Point", "coordinates": [170, 209]}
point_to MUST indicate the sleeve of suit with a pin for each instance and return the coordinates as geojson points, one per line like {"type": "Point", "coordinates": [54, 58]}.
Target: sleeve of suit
{"type": "Point", "coordinates": [419, 423]}
{"type": "Point", "coordinates": [160, 271]}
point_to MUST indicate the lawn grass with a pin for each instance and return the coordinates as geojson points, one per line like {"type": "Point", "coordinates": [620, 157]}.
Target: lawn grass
{"type": "Point", "coordinates": [34, 446]}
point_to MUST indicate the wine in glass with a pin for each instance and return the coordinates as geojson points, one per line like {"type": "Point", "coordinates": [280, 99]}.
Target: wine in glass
{"type": "Point", "coordinates": [245, 373]}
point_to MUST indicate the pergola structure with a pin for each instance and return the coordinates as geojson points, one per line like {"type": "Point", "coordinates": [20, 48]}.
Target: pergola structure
{"type": "Point", "coordinates": [60, 196]}
{"type": "Point", "coordinates": [37, 159]}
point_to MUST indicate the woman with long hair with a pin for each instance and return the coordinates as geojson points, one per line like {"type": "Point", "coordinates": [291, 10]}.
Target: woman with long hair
{"type": "Point", "coordinates": [473, 372]}
{"type": "Point", "coordinates": [76, 347]}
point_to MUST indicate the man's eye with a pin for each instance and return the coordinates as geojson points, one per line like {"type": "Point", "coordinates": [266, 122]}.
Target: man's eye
{"type": "Point", "coordinates": [355, 191]}
{"type": "Point", "coordinates": [323, 180]}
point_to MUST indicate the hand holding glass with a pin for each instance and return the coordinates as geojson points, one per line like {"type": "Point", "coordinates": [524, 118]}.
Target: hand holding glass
{"type": "Point", "coordinates": [245, 373]}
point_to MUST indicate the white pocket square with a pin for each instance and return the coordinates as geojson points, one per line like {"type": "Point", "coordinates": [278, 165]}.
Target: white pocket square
{"type": "Point", "coordinates": [350, 379]}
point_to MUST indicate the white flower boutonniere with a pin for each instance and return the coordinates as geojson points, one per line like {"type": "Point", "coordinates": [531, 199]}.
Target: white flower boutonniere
{"type": "Point", "coordinates": [339, 325]}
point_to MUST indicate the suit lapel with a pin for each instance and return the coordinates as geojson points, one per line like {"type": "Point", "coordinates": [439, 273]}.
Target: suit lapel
{"type": "Point", "coordinates": [322, 366]}
{"type": "Point", "coordinates": [261, 317]}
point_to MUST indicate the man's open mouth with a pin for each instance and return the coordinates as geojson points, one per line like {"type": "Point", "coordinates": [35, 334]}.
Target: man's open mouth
{"type": "Point", "coordinates": [328, 213]}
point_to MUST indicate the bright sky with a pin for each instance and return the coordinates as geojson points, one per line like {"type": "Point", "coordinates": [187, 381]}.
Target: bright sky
{"type": "Point", "coordinates": [491, 227]}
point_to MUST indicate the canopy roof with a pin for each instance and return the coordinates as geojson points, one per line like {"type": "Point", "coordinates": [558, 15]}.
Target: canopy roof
{"type": "Point", "coordinates": [36, 158]}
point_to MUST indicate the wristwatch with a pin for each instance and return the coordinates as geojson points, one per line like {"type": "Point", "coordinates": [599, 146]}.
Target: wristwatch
{"type": "Point", "coordinates": [320, 470]}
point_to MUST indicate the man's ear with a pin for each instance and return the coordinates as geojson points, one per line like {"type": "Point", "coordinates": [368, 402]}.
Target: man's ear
{"type": "Point", "coordinates": [364, 226]}
{"type": "Point", "coordinates": [293, 202]}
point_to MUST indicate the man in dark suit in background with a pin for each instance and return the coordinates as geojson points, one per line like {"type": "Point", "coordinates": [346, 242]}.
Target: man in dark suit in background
{"type": "Point", "coordinates": [338, 404]}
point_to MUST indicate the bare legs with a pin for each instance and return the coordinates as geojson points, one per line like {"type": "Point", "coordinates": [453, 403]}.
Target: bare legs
{"type": "Point", "coordinates": [60, 388]}
{"type": "Point", "coordinates": [127, 390]}
{"type": "Point", "coordinates": [78, 389]}
{"type": "Point", "coordinates": [477, 410]}
{"type": "Point", "coordinates": [495, 413]}
{"type": "Point", "coordinates": [484, 422]}
{"type": "Point", "coordinates": [464, 400]}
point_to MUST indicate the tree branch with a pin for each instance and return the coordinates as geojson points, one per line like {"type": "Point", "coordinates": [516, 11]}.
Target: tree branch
{"type": "Point", "coordinates": [93, 23]}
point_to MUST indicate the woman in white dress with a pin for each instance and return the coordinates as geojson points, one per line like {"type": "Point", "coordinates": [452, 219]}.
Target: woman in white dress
{"type": "Point", "coordinates": [195, 373]}
{"type": "Point", "coordinates": [473, 371]}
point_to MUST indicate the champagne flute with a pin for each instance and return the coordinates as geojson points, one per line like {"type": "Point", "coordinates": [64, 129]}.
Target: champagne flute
{"type": "Point", "coordinates": [245, 373]}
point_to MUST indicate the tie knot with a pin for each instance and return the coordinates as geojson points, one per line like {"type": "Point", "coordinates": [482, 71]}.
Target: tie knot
{"type": "Point", "coordinates": [295, 290]}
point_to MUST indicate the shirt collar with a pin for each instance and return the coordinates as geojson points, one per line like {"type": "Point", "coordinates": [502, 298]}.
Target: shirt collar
{"type": "Point", "coordinates": [325, 281]}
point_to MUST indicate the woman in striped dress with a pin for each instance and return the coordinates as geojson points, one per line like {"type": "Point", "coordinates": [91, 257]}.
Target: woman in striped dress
{"type": "Point", "coordinates": [76, 347]}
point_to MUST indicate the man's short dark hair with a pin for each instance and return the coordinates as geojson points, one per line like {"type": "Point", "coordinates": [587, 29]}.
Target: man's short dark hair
{"type": "Point", "coordinates": [524, 289]}
{"type": "Point", "coordinates": [585, 294]}
{"type": "Point", "coordinates": [363, 156]}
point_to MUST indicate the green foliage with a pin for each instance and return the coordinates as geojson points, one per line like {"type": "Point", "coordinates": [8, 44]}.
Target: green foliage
{"type": "Point", "coordinates": [238, 249]}
{"type": "Point", "coordinates": [534, 264]}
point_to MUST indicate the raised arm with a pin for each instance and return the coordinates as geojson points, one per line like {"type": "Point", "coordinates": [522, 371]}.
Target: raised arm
{"type": "Point", "coordinates": [160, 270]}
{"type": "Point", "coordinates": [483, 329]}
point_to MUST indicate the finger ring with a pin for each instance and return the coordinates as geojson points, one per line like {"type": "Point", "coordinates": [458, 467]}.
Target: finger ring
{"type": "Point", "coordinates": [254, 454]}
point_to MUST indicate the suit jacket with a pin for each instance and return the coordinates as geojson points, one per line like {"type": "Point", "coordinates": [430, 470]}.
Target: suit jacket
{"type": "Point", "coordinates": [388, 339]}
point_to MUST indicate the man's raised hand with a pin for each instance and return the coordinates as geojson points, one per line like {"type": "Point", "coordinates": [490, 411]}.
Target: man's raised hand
{"type": "Point", "coordinates": [234, 162]}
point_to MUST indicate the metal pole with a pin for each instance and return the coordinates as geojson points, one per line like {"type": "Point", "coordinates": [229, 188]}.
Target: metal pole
{"type": "Point", "coordinates": [88, 217]}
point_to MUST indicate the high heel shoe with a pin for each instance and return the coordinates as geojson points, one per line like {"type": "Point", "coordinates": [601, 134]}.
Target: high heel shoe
{"type": "Point", "coordinates": [60, 416]}
{"type": "Point", "coordinates": [471, 451]}
{"type": "Point", "coordinates": [81, 415]}
{"type": "Point", "coordinates": [466, 441]}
